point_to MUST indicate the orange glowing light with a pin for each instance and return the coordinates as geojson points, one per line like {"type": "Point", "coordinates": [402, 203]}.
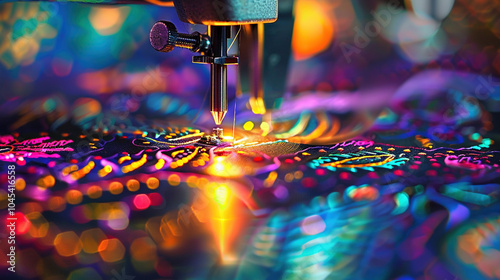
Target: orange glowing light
{"type": "Point", "coordinates": [223, 221]}
{"type": "Point", "coordinates": [202, 182]}
{"type": "Point", "coordinates": [91, 239]}
{"type": "Point", "coordinates": [107, 21]}
{"type": "Point", "coordinates": [222, 167]}
{"type": "Point", "coordinates": [74, 196]}
{"type": "Point", "coordinates": [61, 66]}
{"type": "Point", "coordinates": [133, 185]}
{"type": "Point", "coordinates": [269, 182]}
{"type": "Point", "coordinates": [161, 3]}
{"type": "Point", "coordinates": [136, 164]}
{"type": "Point", "coordinates": [364, 193]}
{"type": "Point", "coordinates": [67, 244]}
{"type": "Point", "coordinates": [122, 159]}
{"type": "Point", "coordinates": [153, 183]}
{"type": "Point", "coordinates": [313, 30]}
{"type": "Point", "coordinates": [20, 184]}
{"type": "Point", "coordinates": [111, 250]}
{"type": "Point", "coordinates": [94, 192]}
{"type": "Point", "coordinates": [192, 181]}
{"type": "Point", "coordinates": [78, 174]}
{"type": "Point", "coordinates": [174, 180]}
{"type": "Point", "coordinates": [46, 181]}
{"type": "Point", "coordinates": [116, 188]}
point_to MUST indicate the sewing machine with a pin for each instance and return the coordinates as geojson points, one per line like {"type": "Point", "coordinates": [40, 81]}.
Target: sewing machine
{"type": "Point", "coordinates": [229, 19]}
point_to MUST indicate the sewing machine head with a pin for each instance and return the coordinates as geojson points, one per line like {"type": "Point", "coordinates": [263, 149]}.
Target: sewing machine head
{"type": "Point", "coordinates": [226, 19]}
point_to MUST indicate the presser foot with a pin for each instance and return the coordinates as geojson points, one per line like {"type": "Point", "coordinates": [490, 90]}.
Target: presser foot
{"type": "Point", "coordinates": [214, 139]}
